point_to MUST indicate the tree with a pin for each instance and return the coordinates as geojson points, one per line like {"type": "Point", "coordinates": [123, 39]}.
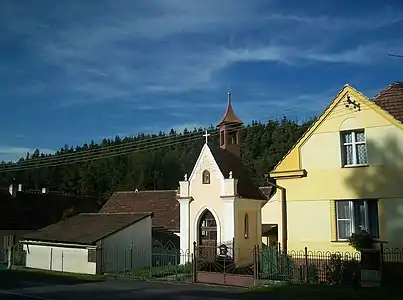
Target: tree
{"type": "Point", "coordinates": [263, 145]}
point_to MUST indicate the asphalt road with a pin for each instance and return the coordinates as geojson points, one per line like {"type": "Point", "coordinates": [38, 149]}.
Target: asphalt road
{"type": "Point", "coordinates": [120, 289]}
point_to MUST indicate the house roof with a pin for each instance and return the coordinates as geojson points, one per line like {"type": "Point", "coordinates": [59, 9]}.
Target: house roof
{"type": "Point", "coordinates": [86, 228]}
{"type": "Point", "coordinates": [390, 99]}
{"type": "Point", "coordinates": [227, 162]}
{"type": "Point", "coordinates": [163, 204]}
{"type": "Point", "coordinates": [35, 210]}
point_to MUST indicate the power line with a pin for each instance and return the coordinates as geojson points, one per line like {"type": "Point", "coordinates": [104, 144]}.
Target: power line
{"type": "Point", "coordinates": [152, 145]}
{"type": "Point", "coordinates": [86, 154]}
{"type": "Point", "coordinates": [396, 55]}
{"type": "Point", "coordinates": [118, 150]}
{"type": "Point", "coordinates": [103, 156]}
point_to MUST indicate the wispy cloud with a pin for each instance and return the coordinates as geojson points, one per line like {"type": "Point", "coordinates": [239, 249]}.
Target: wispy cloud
{"type": "Point", "coordinates": [153, 47]}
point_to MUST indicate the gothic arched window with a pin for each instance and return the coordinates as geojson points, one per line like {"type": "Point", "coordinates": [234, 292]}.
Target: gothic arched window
{"type": "Point", "coordinates": [206, 177]}
{"type": "Point", "coordinates": [246, 226]}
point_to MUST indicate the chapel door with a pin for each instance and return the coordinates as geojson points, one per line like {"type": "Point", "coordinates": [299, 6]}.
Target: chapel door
{"type": "Point", "coordinates": [208, 236]}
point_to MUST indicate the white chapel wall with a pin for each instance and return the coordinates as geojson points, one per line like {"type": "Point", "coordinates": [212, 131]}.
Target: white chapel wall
{"type": "Point", "coordinates": [206, 196]}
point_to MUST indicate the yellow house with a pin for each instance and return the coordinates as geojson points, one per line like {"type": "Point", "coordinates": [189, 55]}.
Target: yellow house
{"type": "Point", "coordinates": [345, 173]}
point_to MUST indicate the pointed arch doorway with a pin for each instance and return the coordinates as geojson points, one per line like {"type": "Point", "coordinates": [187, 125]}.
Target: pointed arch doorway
{"type": "Point", "coordinates": [207, 236]}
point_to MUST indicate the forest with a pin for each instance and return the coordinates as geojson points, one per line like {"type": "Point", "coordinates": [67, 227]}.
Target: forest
{"type": "Point", "coordinates": [146, 162]}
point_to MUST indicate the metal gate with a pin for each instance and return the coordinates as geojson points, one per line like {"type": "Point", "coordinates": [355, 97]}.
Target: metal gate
{"type": "Point", "coordinates": [227, 266]}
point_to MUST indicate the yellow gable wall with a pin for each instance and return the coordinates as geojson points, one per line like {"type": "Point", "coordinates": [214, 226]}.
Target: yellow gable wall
{"type": "Point", "coordinates": [310, 200]}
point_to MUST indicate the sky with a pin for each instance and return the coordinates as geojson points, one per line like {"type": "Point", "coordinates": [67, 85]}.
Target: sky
{"type": "Point", "coordinates": [75, 71]}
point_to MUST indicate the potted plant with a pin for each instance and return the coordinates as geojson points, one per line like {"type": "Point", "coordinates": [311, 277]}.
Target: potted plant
{"type": "Point", "coordinates": [363, 242]}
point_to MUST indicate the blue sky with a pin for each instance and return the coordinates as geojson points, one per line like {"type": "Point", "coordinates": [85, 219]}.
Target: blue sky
{"type": "Point", "coordinates": [72, 71]}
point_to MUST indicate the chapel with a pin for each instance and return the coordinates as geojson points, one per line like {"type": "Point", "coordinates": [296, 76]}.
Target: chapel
{"type": "Point", "coordinates": [219, 203]}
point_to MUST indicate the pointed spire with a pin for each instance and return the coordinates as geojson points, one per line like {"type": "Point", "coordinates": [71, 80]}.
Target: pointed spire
{"type": "Point", "coordinates": [229, 115]}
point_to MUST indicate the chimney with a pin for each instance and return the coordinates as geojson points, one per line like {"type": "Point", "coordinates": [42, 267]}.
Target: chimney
{"type": "Point", "coordinates": [44, 190]}
{"type": "Point", "coordinates": [20, 187]}
{"type": "Point", "coordinates": [12, 189]}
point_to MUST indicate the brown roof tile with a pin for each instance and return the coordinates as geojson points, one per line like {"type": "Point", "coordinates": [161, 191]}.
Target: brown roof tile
{"type": "Point", "coordinates": [33, 210]}
{"type": "Point", "coordinates": [85, 228]}
{"type": "Point", "coordinates": [227, 162]}
{"type": "Point", "coordinates": [163, 204]}
{"type": "Point", "coordinates": [391, 100]}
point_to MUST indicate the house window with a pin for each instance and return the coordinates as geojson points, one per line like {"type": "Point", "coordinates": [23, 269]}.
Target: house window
{"type": "Point", "coordinates": [246, 226]}
{"type": "Point", "coordinates": [92, 255]}
{"type": "Point", "coordinates": [354, 150]}
{"type": "Point", "coordinates": [206, 177]}
{"type": "Point", "coordinates": [353, 216]}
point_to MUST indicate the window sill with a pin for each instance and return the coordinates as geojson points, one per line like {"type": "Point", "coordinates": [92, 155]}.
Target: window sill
{"type": "Point", "coordinates": [356, 166]}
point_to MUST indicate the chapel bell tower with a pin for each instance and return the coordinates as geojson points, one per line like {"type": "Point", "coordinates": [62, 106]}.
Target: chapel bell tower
{"type": "Point", "coordinates": [229, 127]}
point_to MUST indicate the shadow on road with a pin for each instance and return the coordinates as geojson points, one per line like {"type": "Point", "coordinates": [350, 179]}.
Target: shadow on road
{"type": "Point", "coordinates": [12, 279]}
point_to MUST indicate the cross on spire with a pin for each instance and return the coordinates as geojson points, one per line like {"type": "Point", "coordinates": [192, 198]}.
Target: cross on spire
{"type": "Point", "coordinates": [206, 135]}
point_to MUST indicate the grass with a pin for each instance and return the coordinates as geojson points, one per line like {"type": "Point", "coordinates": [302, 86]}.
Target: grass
{"type": "Point", "coordinates": [324, 292]}
{"type": "Point", "coordinates": [160, 271]}
{"type": "Point", "coordinates": [24, 277]}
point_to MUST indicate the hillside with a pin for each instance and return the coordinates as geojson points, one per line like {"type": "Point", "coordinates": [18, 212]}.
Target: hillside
{"type": "Point", "coordinates": [145, 162]}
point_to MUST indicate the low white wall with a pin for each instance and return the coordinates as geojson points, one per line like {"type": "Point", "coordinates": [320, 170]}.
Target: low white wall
{"type": "Point", "coordinates": [55, 258]}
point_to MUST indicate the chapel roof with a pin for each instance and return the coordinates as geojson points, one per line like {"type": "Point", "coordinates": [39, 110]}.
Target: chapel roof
{"type": "Point", "coordinates": [86, 228]}
{"type": "Point", "coordinates": [227, 162]}
{"type": "Point", "coordinates": [229, 115]}
{"type": "Point", "coordinates": [30, 210]}
{"type": "Point", "coordinates": [162, 203]}
{"type": "Point", "coordinates": [390, 99]}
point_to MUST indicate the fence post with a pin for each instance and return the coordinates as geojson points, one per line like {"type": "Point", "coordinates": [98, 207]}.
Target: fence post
{"type": "Point", "coordinates": [51, 259]}
{"type": "Point", "coordinates": [194, 262]}
{"type": "Point", "coordinates": [255, 262]}
{"type": "Point", "coordinates": [382, 263]}
{"type": "Point", "coordinates": [306, 263]}
{"type": "Point", "coordinates": [279, 268]}
{"type": "Point", "coordinates": [131, 258]}
{"type": "Point", "coordinates": [124, 262]}
{"type": "Point", "coordinates": [117, 261]}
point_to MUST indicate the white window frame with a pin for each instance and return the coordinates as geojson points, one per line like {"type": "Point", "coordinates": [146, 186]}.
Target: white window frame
{"type": "Point", "coordinates": [353, 144]}
{"type": "Point", "coordinates": [352, 218]}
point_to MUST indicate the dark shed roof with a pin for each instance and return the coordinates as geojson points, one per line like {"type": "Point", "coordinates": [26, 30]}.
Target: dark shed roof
{"type": "Point", "coordinates": [86, 228]}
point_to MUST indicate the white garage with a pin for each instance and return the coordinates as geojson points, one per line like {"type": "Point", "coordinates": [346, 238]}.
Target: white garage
{"type": "Point", "coordinates": [92, 244]}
